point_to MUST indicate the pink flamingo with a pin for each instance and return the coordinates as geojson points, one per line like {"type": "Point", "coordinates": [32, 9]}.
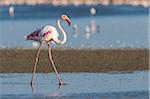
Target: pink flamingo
{"type": "Point", "coordinates": [47, 34]}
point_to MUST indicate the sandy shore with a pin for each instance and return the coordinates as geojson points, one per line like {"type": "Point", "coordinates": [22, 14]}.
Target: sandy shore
{"type": "Point", "coordinates": [73, 60]}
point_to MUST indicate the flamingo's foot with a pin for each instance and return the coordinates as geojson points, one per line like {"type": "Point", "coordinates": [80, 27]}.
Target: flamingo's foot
{"type": "Point", "coordinates": [31, 83]}
{"type": "Point", "coordinates": [60, 83]}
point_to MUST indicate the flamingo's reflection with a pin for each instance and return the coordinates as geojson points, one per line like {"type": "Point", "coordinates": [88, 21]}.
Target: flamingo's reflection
{"type": "Point", "coordinates": [57, 93]}
{"type": "Point", "coordinates": [51, 93]}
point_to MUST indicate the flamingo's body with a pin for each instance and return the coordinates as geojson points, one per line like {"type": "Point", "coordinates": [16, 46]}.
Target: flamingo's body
{"type": "Point", "coordinates": [47, 34]}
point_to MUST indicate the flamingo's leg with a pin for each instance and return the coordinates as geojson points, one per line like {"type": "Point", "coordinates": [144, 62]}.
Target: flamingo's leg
{"type": "Point", "coordinates": [53, 65]}
{"type": "Point", "coordinates": [35, 63]}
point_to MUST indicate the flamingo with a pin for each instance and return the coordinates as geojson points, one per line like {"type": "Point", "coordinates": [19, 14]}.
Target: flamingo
{"type": "Point", "coordinates": [75, 30]}
{"type": "Point", "coordinates": [11, 11]}
{"type": "Point", "coordinates": [46, 35]}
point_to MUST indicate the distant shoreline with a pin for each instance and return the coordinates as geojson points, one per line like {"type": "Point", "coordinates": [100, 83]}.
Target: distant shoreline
{"type": "Point", "coordinates": [75, 60]}
{"type": "Point", "coordinates": [144, 3]}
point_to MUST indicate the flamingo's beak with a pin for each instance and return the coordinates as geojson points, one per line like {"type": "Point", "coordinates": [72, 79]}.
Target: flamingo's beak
{"type": "Point", "coordinates": [68, 21]}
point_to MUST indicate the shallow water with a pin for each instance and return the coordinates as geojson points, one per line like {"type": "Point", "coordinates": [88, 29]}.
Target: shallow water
{"type": "Point", "coordinates": [114, 32]}
{"type": "Point", "coordinates": [76, 85]}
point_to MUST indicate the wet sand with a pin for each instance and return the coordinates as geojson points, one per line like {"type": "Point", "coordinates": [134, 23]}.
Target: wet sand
{"type": "Point", "coordinates": [75, 60]}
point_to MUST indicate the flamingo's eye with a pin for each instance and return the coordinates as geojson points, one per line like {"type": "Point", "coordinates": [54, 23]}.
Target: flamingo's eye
{"type": "Point", "coordinates": [63, 17]}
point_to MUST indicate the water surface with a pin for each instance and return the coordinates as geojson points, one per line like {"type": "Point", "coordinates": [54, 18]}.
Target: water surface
{"type": "Point", "coordinates": [76, 85]}
{"type": "Point", "coordinates": [114, 32]}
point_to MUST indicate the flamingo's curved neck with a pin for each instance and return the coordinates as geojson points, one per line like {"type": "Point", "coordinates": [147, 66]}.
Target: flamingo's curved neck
{"type": "Point", "coordinates": [63, 32]}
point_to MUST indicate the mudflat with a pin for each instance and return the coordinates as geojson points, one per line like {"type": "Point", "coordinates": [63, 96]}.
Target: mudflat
{"type": "Point", "coordinates": [75, 60]}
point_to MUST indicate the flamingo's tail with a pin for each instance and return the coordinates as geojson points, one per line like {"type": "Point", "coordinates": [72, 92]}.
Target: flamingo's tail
{"type": "Point", "coordinates": [26, 37]}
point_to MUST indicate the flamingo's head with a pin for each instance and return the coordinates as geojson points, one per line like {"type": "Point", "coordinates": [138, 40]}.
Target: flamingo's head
{"type": "Point", "coordinates": [65, 18]}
